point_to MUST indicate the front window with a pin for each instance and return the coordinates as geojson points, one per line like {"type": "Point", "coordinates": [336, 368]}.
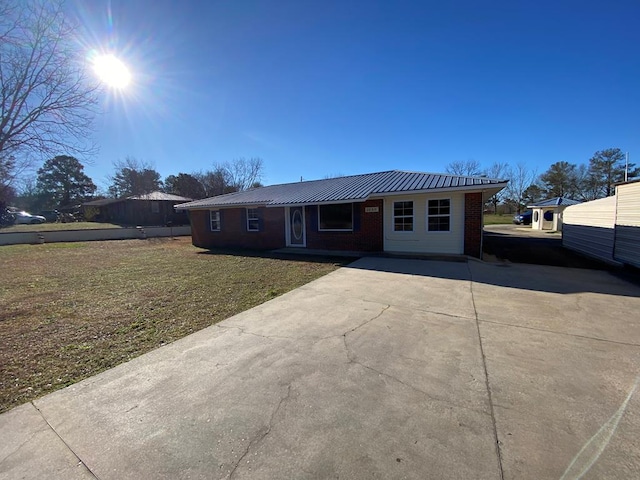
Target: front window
{"type": "Point", "coordinates": [155, 207]}
{"type": "Point", "coordinates": [253, 223]}
{"type": "Point", "coordinates": [214, 217]}
{"type": "Point", "coordinates": [439, 215]}
{"type": "Point", "coordinates": [335, 217]}
{"type": "Point", "coordinates": [403, 216]}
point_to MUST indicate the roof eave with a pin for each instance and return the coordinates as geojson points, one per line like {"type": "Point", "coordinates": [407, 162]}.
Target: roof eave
{"type": "Point", "coordinates": [495, 187]}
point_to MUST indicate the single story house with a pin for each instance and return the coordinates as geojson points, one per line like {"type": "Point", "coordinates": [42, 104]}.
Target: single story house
{"type": "Point", "coordinates": [393, 211]}
{"type": "Point", "coordinates": [608, 228]}
{"type": "Point", "coordinates": [547, 214]}
{"type": "Point", "coordinates": [155, 208]}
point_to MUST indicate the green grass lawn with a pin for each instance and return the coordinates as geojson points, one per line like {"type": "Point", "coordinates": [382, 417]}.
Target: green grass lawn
{"type": "Point", "coordinates": [492, 219]}
{"type": "Point", "coordinates": [71, 310]}
{"type": "Point", "coordinates": [44, 227]}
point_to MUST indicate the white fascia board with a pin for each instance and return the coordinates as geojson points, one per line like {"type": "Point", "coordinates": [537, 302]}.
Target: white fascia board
{"type": "Point", "coordinates": [467, 189]}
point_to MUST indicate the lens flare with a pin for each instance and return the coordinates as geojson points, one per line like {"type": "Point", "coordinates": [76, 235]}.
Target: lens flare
{"type": "Point", "coordinates": [111, 71]}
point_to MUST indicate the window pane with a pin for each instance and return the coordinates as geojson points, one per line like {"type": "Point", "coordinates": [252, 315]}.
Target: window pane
{"type": "Point", "coordinates": [439, 215]}
{"type": "Point", "coordinates": [214, 216]}
{"type": "Point", "coordinates": [403, 216]}
{"type": "Point", "coordinates": [336, 217]}
{"type": "Point", "coordinates": [402, 208]}
{"type": "Point", "coordinates": [439, 224]}
{"type": "Point", "coordinates": [253, 224]}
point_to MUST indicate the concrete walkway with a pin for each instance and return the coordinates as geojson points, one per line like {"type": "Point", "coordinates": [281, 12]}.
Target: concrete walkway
{"type": "Point", "coordinates": [388, 368]}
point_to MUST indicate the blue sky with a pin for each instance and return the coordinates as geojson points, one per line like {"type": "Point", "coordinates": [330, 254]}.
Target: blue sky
{"type": "Point", "coordinates": [318, 88]}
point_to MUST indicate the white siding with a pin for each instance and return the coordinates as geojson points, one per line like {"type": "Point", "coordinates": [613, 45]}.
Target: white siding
{"type": "Point", "coordinates": [627, 243]}
{"type": "Point", "coordinates": [420, 240]}
{"type": "Point", "coordinates": [628, 204]}
{"type": "Point", "coordinates": [598, 213]}
{"type": "Point", "coordinates": [589, 228]}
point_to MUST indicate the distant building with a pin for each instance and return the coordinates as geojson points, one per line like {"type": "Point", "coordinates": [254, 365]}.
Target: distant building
{"type": "Point", "coordinates": [547, 214]}
{"type": "Point", "coordinates": [155, 208]}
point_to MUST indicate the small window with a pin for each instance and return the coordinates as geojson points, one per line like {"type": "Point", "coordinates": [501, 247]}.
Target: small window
{"type": "Point", "coordinates": [215, 220]}
{"type": "Point", "coordinates": [335, 217]}
{"type": "Point", "coordinates": [155, 207]}
{"type": "Point", "coordinates": [253, 223]}
{"type": "Point", "coordinates": [403, 216]}
{"type": "Point", "coordinates": [439, 215]}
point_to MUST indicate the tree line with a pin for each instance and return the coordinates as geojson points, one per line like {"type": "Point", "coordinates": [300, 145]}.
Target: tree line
{"type": "Point", "coordinates": [48, 102]}
{"type": "Point", "coordinates": [61, 182]}
{"type": "Point", "coordinates": [586, 181]}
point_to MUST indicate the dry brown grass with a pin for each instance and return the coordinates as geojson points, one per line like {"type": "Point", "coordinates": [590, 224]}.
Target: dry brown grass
{"type": "Point", "coordinates": [71, 310]}
{"type": "Point", "coordinates": [52, 227]}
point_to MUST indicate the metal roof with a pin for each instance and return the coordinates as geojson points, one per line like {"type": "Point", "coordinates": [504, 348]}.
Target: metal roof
{"type": "Point", "coordinates": [347, 189]}
{"type": "Point", "coordinates": [159, 196]}
{"type": "Point", "coordinates": [554, 202]}
{"type": "Point", "coordinates": [155, 196]}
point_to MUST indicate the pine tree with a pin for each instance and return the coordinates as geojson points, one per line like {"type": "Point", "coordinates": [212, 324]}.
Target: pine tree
{"type": "Point", "coordinates": [63, 181]}
{"type": "Point", "coordinates": [607, 168]}
{"type": "Point", "coordinates": [560, 180]}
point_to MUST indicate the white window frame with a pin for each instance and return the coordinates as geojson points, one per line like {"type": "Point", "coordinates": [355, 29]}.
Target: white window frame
{"type": "Point", "coordinates": [438, 215]}
{"type": "Point", "coordinates": [412, 216]}
{"type": "Point", "coordinates": [320, 229]}
{"type": "Point", "coordinates": [255, 219]}
{"type": "Point", "coordinates": [214, 216]}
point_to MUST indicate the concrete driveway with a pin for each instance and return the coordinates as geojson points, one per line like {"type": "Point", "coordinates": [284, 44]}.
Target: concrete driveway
{"type": "Point", "coordinates": [388, 368]}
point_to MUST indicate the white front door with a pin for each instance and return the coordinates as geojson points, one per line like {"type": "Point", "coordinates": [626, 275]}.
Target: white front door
{"type": "Point", "coordinates": [295, 227]}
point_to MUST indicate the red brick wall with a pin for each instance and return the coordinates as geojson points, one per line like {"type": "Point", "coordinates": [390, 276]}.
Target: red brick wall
{"type": "Point", "coordinates": [233, 232]}
{"type": "Point", "coordinates": [367, 235]}
{"type": "Point", "coordinates": [473, 224]}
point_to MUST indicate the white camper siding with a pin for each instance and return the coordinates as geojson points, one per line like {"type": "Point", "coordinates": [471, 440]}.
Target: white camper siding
{"type": "Point", "coordinates": [589, 228]}
{"type": "Point", "coordinates": [627, 238]}
{"type": "Point", "coordinates": [420, 240]}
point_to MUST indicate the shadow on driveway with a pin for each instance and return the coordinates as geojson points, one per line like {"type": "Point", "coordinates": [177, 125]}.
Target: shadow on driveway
{"type": "Point", "coordinates": [538, 278]}
{"type": "Point", "coordinates": [517, 245]}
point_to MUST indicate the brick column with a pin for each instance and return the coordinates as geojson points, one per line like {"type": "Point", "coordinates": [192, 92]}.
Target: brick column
{"type": "Point", "coordinates": [473, 207]}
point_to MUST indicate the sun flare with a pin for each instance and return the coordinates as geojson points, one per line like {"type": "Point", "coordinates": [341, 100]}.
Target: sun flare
{"type": "Point", "coordinates": [112, 71]}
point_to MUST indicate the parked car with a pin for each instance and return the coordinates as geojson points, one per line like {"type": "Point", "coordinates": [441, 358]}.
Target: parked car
{"type": "Point", "coordinates": [523, 218]}
{"type": "Point", "coordinates": [24, 217]}
{"type": "Point", "coordinates": [50, 215]}
{"type": "Point", "coordinates": [6, 217]}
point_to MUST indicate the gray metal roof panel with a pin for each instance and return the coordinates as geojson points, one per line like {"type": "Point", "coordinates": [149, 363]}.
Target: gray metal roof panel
{"type": "Point", "coordinates": [351, 188]}
{"type": "Point", "coordinates": [553, 202]}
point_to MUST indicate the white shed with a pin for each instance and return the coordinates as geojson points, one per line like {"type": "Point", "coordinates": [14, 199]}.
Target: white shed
{"type": "Point", "coordinates": [627, 232]}
{"type": "Point", "coordinates": [607, 229]}
{"type": "Point", "coordinates": [547, 214]}
{"type": "Point", "coordinates": [589, 228]}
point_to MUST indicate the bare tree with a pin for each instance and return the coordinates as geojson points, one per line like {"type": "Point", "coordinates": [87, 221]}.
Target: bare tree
{"type": "Point", "coordinates": [213, 182]}
{"type": "Point", "coordinates": [589, 186]}
{"type": "Point", "coordinates": [497, 170]}
{"type": "Point", "coordinates": [47, 102]}
{"type": "Point", "coordinates": [467, 168]}
{"type": "Point", "coordinates": [520, 178]}
{"type": "Point", "coordinates": [242, 173]}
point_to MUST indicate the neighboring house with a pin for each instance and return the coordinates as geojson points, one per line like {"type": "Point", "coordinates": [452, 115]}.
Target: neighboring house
{"type": "Point", "coordinates": [155, 208]}
{"type": "Point", "coordinates": [547, 214]}
{"type": "Point", "coordinates": [607, 229]}
{"type": "Point", "coordinates": [394, 211]}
